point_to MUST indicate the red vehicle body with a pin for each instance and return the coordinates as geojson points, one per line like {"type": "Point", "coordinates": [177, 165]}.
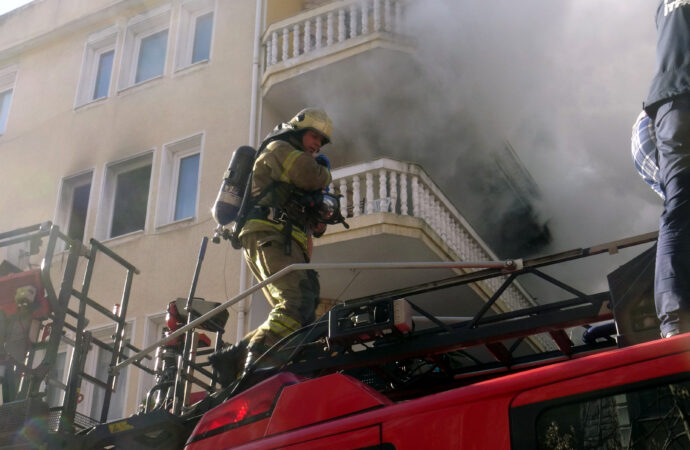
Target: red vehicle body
{"type": "Point", "coordinates": [635, 397]}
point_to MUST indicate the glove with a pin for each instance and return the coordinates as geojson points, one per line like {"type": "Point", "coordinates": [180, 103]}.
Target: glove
{"type": "Point", "coordinates": [322, 160]}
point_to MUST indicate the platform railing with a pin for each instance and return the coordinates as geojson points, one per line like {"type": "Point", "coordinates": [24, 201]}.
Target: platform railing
{"type": "Point", "coordinates": [403, 188]}
{"type": "Point", "coordinates": [329, 27]}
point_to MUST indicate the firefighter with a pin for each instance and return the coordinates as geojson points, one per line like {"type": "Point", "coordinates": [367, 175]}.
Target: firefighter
{"type": "Point", "coordinates": [277, 232]}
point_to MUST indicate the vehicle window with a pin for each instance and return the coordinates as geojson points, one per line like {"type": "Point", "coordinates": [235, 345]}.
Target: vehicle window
{"type": "Point", "coordinates": [651, 418]}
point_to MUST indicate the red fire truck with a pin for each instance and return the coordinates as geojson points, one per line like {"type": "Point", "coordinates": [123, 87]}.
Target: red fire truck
{"type": "Point", "coordinates": [363, 376]}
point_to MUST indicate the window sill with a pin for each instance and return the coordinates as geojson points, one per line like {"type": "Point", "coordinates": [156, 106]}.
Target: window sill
{"type": "Point", "coordinates": [140, 85]}
{"type": "Point", "coordinates": [190, 68]}
{"type": "Point", "coordinates": [176, 225]}
{"type": "Point", "coordinates": [90, 103]}
{"type": "Point", "coordinates": [123, 238]}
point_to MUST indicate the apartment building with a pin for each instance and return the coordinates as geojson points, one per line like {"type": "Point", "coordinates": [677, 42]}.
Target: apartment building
{"type": "Point", "coordinates": [118, 119]}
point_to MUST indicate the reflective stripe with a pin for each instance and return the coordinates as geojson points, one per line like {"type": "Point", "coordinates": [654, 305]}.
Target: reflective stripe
{"type": "Point", "coordinates": [279, 329]}
{"type": "Point", "coordinates": [297, 234]}
{"type": "Point", "coordinates": [288, 163]}
{"type": "Point", "coordinates": [286, 321]}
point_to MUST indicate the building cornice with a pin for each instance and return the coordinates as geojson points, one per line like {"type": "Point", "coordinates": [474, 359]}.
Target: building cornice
{"type": "Point", "coordinates": [42, 34]}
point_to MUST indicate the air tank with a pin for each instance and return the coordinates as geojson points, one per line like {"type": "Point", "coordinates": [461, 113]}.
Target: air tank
{"type": "Point", "coordinates": [234, 182]}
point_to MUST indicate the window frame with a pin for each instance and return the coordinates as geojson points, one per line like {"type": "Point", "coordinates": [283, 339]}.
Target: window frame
{"type": "Point", "coordinates": [153, 328]}
{"type": "Point", "coordinates": [104, 333]}
{"type": "Point", "coordinates": [138, 28]}
{"type": "Point", "coordinates": [108, 192]}
{"type": "Point", "coordinates": [173, 153]}
{"type": "Point", "coordinates": [8, 81]}
{"type": "Point", "coordinates": [65, 346]}
{"type": "Point", "coordinates": [65, 203]}
{"type": "Point", "coordinates": [96, 45]}
{"type": "Point", "coordinates": [523, 419]}
{"type": "Point", "coordinates": [190, 11]}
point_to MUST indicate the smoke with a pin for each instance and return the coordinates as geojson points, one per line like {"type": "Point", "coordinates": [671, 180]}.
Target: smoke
{"type": "Point", "coordinates": [561, 81]}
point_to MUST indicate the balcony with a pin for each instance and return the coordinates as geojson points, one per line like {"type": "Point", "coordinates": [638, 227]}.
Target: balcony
{"type": "Point", "coordinates": [397, 213]}
{"type": "Point", "coordinates": [336, 35]}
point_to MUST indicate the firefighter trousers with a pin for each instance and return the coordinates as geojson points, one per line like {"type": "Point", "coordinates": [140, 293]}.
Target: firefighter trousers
{"type": "Point", "coordinates": [293, 297]}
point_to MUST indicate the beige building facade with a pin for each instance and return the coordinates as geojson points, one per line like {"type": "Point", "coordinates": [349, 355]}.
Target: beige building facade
{"type": "Point", "coordinates": [118, 120]}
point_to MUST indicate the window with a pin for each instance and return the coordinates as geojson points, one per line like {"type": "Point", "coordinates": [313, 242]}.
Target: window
{"type": "Point", "coordinates": [105, 68]}
{"type": "Point", "coordinates": [145, 47]}
{"type": "Point", "coordinates": [187, 183]}
{"type": "Point", "coordinates": [153, 332]}
{"type": "Point", "coordinates": [8, 77]}
{"type": "Point", "coordinates": [97, 66]}
{"type": "Point", "coordinates": [73, 205]}
{"type": "Point", "coordinates": [179, 181]}
{"type": "Point", "coordinates": [125, 197]}
{"type": "Point", "coordinates": [196, 29]}
{"type": "Point", "coordinates": [57, 379]}
{"type": "Point", "coordinates": [653, 417]}
{"type": "Point", "coordinates": [97, 365]}
{"type": "Point", "coordinates": [151, 60]}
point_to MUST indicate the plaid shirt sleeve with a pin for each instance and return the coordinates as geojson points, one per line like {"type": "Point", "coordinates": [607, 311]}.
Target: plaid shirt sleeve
{"type": "Point", "coordinates": [643, 147]}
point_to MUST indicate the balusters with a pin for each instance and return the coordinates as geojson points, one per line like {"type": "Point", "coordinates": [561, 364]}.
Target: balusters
{"type": "Point", "coordinates": [286, 43]}
{"type": "Point", "coordinates": [424, 203]}
{"type": "Point", "coordinates": [307, 36]}
{"type": "Point", "coordinates": [377, 15]}
{"type": "Point", "coordinates": [387, 15]}
{"type": "Point", "coordinates": [369, 177]}
{"type": "Point", "coordinates": [365, 16]}
{"type": "Point", "coordinates": [355, 196]}
{"type": "Point", "coordinates": [267, 53]}
{"type": "Point", "coordinates": [393, 191]}
{"type": "Point", "coordinates": [330, 25]}
{"type": "Point", "coordinates": [319, 31]}
{"type": "Point", "coordinates": [353, 21]}
{"type": "Point", "coordinates": [341, 25]}
{"type": "Point", "coordinates": [436, 220]}
{"type": "Point", "coordinates": [343, 199]}
{"type": "Point", "coordinates": [295, 40]}
{"type": "Point", "coordinates": [383, 192]}
{"type": "Point", "coordinates": [398, 24]}
{"type": "Point", "coordinates": [403, 194]}
{"type": "Point", "coordinates": [274, 48]}
{"type": "Point", "coordinates": [416, 211]}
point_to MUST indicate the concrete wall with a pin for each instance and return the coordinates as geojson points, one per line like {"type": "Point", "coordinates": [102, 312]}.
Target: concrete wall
{"type": "Point", "coordinates": [47, 139]}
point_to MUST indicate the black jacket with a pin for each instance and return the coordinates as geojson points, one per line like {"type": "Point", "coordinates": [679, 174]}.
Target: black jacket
{"type": "Point", "coordinates": [672, 71]}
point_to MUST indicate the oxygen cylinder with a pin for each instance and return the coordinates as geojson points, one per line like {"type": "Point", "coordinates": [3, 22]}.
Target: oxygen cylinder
{"type": "Point", "coordinates": [234, 182]}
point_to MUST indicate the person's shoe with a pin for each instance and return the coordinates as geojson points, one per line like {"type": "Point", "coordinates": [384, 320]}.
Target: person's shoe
{"type": "Point", "coordinates": [254, 352]}
{"type": "Point", "coordinates": [229, 362]}
{"type": "Point", "coordinates": [670, 333]}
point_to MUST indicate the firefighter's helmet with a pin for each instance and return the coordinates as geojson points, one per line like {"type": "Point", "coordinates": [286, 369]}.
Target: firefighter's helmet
{"type": "Point", "coordinates": [313, 119]}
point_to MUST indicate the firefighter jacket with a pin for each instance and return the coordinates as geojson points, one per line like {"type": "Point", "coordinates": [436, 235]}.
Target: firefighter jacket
{"type": "Point", "coordinates": [281, 172]}
{"type": "Point", "coordinates": [672, 72]}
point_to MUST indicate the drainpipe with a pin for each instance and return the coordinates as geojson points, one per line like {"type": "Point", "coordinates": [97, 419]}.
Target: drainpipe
{"type": "Point", "coordinates": [253, 126]}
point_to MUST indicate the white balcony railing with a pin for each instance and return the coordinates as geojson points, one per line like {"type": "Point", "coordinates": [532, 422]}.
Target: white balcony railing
{"type": "Point", "coordinates": [331, 26]}
{"type": "Point", "coordinates": [402, 188]}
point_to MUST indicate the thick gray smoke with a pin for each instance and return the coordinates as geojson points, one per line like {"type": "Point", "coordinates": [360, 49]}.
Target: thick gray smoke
{"type": "Point", "coordinates": [561, 81]}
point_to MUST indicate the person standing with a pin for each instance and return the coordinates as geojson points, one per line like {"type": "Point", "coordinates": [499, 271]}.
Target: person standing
{"type": "Point", "coordinates": [278, 230]}
{"type": "Point", "coordinates": [668, 104]}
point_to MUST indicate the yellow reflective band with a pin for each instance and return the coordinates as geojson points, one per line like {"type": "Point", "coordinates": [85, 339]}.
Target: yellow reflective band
{"type": "Point", "coordinates": [297, 234]}
{"type": "Point", "coordinates": [279, 331]}
{"type": "Point", "coordinates": [118, 427]}
{"type": "Point", "coordinates": [286, 321]}
{"type": "Point", "coordinates": [289, 162]}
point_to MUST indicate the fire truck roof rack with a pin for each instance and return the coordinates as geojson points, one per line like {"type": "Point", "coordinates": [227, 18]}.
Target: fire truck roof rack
{"type": "Point", "coordinates": [359, 336]}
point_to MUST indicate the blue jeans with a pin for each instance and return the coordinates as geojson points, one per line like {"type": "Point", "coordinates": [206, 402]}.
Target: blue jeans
{"type": "Point", "coordinates": [672, 276]}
